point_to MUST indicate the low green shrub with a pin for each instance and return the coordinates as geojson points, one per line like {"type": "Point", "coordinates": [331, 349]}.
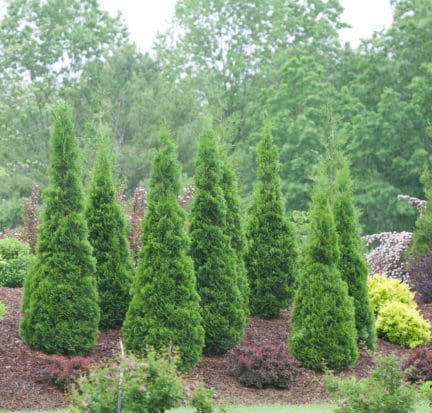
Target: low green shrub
{"type": "Point", "coordinates": [383, 289]}
{"type": "Point", "coordinates": [2, 310]}
{"type": "Point", "coordinates": [14, 262]}
{"type": "Point", "coordinates": [382, 392]}
{"type": "Point", "coordinates": [402, 324]}
{"type": "Point", "coordinates": [148, 385]}
{"type": "Point", "coordinates": [203, 400]}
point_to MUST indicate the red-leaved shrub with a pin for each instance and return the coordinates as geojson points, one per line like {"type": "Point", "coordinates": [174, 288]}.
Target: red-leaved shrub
{"type": "Point", "coordinates": [418, 365]}
{"type": "Point", "coordinates": [420, 270]}
{"type": "Point", "coordinates": [61, 370]}
{"type": "Point", "coordinates": [263, 366]}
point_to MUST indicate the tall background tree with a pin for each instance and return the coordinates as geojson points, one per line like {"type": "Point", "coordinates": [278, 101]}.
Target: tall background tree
{"type": "Point", "coordinates": [60, 311]}
{"type": "Point", "coordinates": [271, 251]}
{"type": "Point", "coordinates": [215, 260]}
{"type": "Point", "coordinates": [164, 310]}
{"type": "Point", "coordinates": [108, 237]}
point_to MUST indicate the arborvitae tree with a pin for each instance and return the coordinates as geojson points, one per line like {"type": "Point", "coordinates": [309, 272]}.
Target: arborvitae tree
{"type": "Point", "coordinates": [222, 307]}
{"type": "Point", "coordinates": [352, 263]}
{"type": "Point", "coordinates": [271, 253]}
{"type": "Point", "coordinates": [323, 333]}
{"type": "Point", "coordinates": [108, 237]}
{"type": "Point", "coordinates": [60, 305]}
{"type": "Point", "coordinates": [234, 227]}
{"type": "Point", "coordinates": [164, 310]}
{"type": "Point", "coordinates": [422, 238]}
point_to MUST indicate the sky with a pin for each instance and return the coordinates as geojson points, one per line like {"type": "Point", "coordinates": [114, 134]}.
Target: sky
{"type": "Point", "coordinates": [145, 18]}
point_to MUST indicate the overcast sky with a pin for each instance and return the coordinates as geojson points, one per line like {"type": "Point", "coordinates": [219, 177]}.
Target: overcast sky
{"type": "Point", "coordinates": [146, 18]}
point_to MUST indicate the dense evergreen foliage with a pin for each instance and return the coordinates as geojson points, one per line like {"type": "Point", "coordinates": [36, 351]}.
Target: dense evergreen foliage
{"type": "Point", "coordinates": [352, 262]}
{"type": "Point", "coordinates": [234, 225]}
{"type": "Point", "coordinates": [60, 311]}
{"type": "Point", "coordinates": [215, 260]}
{"type": "Point", "coordinates": [271, 252]}
{"type": "Point", "coordinates": [164, 310]}
{"type": "Point", "coordinates": [108, 237]}
{"type": "Point", "coordinates": [323, 332]}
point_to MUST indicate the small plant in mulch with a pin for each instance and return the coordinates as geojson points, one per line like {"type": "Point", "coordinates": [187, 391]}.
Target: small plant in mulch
{"type": "Point", "coordinates": [263, 366]}
{"type": "Point", "coordinates": [418, 366]}
{"type": "Point", "coordinates": [61, 371]}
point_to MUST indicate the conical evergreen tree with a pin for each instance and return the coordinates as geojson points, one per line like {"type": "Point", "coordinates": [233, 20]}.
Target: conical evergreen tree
{"type": "Point", "coordinates": [60, 305]}
{"type": "Point", "coordinates": [271, 254]}
{"type": "Point", "coordinates": [323, 331]}
{"type": "Point", "coordinates": [422, 237]}
{"type": "Point", "coordinates": [234, 227]}
{"type": "Point", "coordinates": [164, 310]}
{"type": "Point", "coordinates": [352, 263]}
{"type": "Point", "coordinates": [108, 237]}
{"type": "Point", "coordinates": [222, 307]}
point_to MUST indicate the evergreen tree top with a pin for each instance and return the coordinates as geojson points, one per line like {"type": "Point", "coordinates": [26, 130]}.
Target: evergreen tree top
{"type": "Point", "coordinates": [268, 158]}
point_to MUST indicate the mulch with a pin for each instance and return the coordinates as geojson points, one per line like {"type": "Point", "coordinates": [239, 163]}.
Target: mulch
{"type": "Point", "coordinates": [21, 386]}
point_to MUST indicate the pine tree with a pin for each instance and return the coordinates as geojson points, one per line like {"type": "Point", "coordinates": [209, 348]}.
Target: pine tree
{"type": "Point", "coordinates": [164, 310]}
{"type": "Point", "coordinates": [352, 263]}
{"type": "Point", "coordinates": [271, 254]}
{"type": "Point", "coordinates": [60, 305]}
{"type": "Point", "coordinates": [323, 331]}
{"type": "Point", "coordinates": [234, 227]}
{"type": "Point", "coordinates": [108, 237]}
{"type": "Point", "coordinates": [222, 307]}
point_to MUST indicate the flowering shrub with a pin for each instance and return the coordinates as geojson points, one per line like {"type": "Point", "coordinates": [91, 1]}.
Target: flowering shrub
{"type": "Point", "coordinates": [61, 370]}
{"type": "Point", "coordinates": [383, 290]}
{"type": "Point", "coordinates": [263, 366]}
{"type": "Point", "coordinates": [418, 366]}
{"type": "Point", "coordinates": [402, 324]}
{"type": "Point", "coordinates": [420, 269]}
{"type": "Point", "coordinates": [388, 257]}
{"type": "Point", "coordinates": [150, 385]}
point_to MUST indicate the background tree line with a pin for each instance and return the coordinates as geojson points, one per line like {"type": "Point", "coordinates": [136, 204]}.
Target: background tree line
{"type": "Point", "coordinates": [238, 61]}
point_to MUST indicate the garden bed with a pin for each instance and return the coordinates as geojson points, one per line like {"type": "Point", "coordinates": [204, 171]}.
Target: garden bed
{"type": "Point", "coordinates": [21, 386]}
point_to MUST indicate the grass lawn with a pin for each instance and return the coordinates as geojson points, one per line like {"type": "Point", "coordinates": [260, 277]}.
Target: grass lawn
{"type": "Point", "coordinates": [304, 408]}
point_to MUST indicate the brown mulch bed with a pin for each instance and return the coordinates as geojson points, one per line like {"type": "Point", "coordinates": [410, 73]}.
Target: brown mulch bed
{"type": "Point", "coordinates": [21, 386]}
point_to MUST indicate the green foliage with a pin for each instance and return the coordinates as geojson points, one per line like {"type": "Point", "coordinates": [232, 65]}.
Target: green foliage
{"type": "Point", "coordinates": [271, 251]}
{"type": "Point", "coordinates": [352, 263]}
{"type": "Point", "coordinates": [234, 228]}
{"type": "Point", "coordinates": [15, 259]}
{"type": "Point", "coordinates": [3, 310]}
{"type": "Point", "coordinates": [422, 237]}
{"type": "Point", "coordinates": [203, 400]}
{"type": "Point", "coordinates": [323, 333]}
{"type": "Point", "coordinates": [148, 385]}
{"type": "Point", "coordinates": [382, 290]}
{"type": "Point", "coordinates": [108, 237]}
{"type": "Point", "coordinates": [164, 310]}
{"type": "Point", "coordinates": [215, 261]}
{"type": "Point", "coordinates": [60, 312]}
{"type": "Point", "coordinates": [10, 212]}
{"type": "Point", "coordinates": [382, 392]}
{"type": "Point", "coordinates": [402, 324]}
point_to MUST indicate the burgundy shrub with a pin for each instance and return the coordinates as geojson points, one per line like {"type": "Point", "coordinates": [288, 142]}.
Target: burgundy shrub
{"type": "Point", "coordinates": [420, 270]}
{"type": "Point", "coordinates": [263, 366]}
{"type": "Point", "coordinates": [60, 370]}
{"type": "Point", "coordinates": [418, 365]}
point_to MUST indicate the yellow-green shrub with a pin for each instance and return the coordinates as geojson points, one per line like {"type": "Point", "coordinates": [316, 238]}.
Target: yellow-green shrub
{"type": "Point", "coordinates": [383, 290]}
{"type": "Point", "coordinates": [402, 324]}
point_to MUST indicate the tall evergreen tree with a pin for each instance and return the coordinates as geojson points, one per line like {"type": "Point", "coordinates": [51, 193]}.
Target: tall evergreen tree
{"type": "Point", "coordinates": [108, 237]}
{"type": "Point", "coordinates": [271, 254]}
{"type": "Point", "coordinates": [352, 263]}
{"type": "Point", "coordinates": [215, 261]}
{"type": "Point", "coordinates": [60, 305]}
{"type": "Point", "coordinates": [234, 225]}
{"type": "Point", "coordinates": [164, 309]}
{"type": "Point", "coordinates": [323, 333]}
